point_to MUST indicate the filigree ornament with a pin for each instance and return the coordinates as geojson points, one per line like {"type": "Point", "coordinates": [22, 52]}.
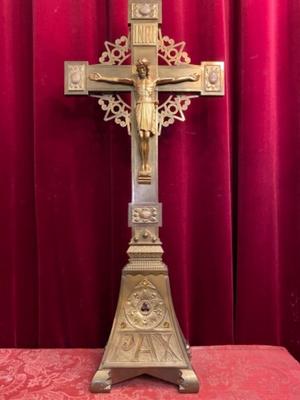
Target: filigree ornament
{"type": "Point", "coordinates": [116, 53]}
{"type": "Point", "coordinates": [172, 53]}
{"type": "Point", "coordinates": [168, 112]}
{"type": "Point", "coordinates": [173, 110]}
{"type": "Point", "coordinates": [116, 109]}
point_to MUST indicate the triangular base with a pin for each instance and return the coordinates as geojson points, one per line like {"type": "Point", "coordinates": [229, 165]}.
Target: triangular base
{"type": "Point", "coordinates": [145, 337]}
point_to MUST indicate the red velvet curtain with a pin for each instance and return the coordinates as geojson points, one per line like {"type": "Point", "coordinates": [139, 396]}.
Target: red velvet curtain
{"type": "Point", "coordinates": [229, 177]}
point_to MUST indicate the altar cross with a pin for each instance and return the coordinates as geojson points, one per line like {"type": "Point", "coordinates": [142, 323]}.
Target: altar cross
{"type": "Point", "coordinates": [145, 337]}
{"type": "Point", "coordinates": [144, 20]}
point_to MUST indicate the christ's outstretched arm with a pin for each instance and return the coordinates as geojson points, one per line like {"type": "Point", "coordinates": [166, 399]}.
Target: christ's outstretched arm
{"type": "Point", "coordinates": [191, 78]}
{"type": "Point", "coordinates": [95, 76]}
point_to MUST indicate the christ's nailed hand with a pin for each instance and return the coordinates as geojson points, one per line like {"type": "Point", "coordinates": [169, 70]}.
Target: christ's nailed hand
{"type": "Point", "coordinates": [195, 77]}
{"type": "Point", "coordinates": [95, 76]}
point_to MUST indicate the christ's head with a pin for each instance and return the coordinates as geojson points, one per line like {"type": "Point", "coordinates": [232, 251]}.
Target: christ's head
{"type": "Point", "coordinates": [142, 68]}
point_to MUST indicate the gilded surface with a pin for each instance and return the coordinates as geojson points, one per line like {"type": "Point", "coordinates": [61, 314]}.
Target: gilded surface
{"type": "Point", "coordinates": [172, 109]}
{"type": "Point", "coordinates": [115, 53]}
{"type": "Point", "coordinates": [147, 348]}
{"type": "Point", "coordinates": [145, 215]}
{"type": "Point", "coordinates": [146, 114]}
{"type": "Point", "coordinates": [213, 78]}
{"type": "Point", "coordinates": [145, 337]}
{"type": "Point", "coordinates": [145, 331]}
{"type": "Point", "coordinates": [144, 11]}
{"type": "Point", "coordinates": [144, 308]}
{"type": "Point", "coordinates": [75, 78]}
{"type": "Point", "coordinates": [116, 109]}
{"type": "Point", "coordinates": [144, 34]}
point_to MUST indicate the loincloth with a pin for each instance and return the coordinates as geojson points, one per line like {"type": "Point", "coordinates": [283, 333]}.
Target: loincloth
{"type": "Point", "coordinates": [146, 116]}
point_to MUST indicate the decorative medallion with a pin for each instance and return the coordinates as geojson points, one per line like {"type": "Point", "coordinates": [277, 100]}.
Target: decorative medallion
{"type": "Point", "coordinates": [145, 215]}
{"type": "Point", "coordinates": [144, 11]}
{"type": "Point", "coordinates": [76, 77]}
{"type": "Point", "coordinates": [144, 308]}
{"type": "Point", "coordinates": [213, 78]}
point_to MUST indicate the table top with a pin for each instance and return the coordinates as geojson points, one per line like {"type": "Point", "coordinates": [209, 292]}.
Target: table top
{"type": "Point", "coordinates": [225, 373]}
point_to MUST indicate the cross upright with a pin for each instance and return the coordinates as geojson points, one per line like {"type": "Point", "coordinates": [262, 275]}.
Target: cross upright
{"type": "Point", "coordinates": [145, 336]}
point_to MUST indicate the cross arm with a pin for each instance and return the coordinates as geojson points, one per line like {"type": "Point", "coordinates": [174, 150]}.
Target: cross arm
{"type": "Point", "coordinates": [178, 79]}
{"type": "Point", "coordinates": [78, 82]}
{"type": "Point", "coordinates": [210, 82]}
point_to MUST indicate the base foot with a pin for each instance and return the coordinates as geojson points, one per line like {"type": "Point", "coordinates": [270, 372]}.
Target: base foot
{"type": "Point", "coordinates": [188, 382]}
{"type": "Point", "coordinates": [101, 382]}
{"type": "Point", "coordinates": [184, 378]}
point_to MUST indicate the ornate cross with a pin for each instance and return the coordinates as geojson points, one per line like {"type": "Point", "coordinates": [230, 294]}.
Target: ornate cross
{"type": "Point", "coordinates": [145, 336]}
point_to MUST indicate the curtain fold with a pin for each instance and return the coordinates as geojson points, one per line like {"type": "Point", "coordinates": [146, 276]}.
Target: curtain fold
{"type": "Point", "coordinates": [229, 177]}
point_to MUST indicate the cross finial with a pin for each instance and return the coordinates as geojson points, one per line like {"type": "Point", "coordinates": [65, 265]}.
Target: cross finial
{"type": "Point", "coordinates": [144, 10]}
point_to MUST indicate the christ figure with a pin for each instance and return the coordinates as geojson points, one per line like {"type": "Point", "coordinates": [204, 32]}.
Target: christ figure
{"type": "Point", "coordinates": [146, 104]}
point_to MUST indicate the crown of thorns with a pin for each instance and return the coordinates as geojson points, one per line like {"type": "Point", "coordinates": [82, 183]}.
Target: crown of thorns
{"type": "Point", "coordinates": [142, 62]}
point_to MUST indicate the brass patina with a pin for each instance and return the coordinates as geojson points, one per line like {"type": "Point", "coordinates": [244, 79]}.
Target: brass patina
{"type": "Point", "coordinates": [145, 337]}
{"type": "Point", "coordinates": [146, 107]}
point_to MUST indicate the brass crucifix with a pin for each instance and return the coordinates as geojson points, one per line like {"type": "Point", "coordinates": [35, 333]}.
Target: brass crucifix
{"type": "Point", "coordinates": [145, 337]}
{"type": "Point", "coordinates": [146, 107]}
